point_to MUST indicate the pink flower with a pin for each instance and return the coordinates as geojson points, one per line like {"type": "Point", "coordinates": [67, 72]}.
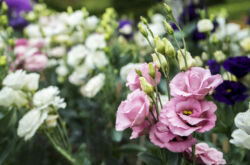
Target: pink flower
{"type": "Point", "coordinates": [133, 112]}
{"type": "Point", "coordinates": [161, 136]}
{"type": "Point", "coordinates": [21, 42]}
{"type": "Point", "coordinates": [186, 115]}
{"type": "Point", "coordinates": [133, 79]}
{"type": "Point", "coordinates": [36, 62]}
{"type": "Point", "coordinates": [206, 155]}
{"type": "Point", "coordinates": [196, 82]}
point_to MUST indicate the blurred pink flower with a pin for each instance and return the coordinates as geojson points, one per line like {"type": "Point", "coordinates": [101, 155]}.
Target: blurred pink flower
{"type": "Point", "coordinates": [206, 155]}
{"type": "Point", "coordinates": [196, 82]}
{"type": "Point", "coordinates": [133, 79]}
{"type": "Point", "coordinates": [186, 115]}
{"type": "Point", "coordinates": [161, 136]}
{"type": "Point", "coordinates": [36, 62]}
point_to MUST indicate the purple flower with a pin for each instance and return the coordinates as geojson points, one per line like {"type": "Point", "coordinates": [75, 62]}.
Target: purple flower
{"type": "Point", "coordinates": [239, 66]}
{"type": "Point", "coordinates": [16, 8]}
{"type": "Point", "coordinates": [197, 35]}
{"type": "Point", "coordinates": [125, 28]}
{"type": "Point", "coordinates": [213, 66]}
{"type": "Point", "coordinates": [230, 92]}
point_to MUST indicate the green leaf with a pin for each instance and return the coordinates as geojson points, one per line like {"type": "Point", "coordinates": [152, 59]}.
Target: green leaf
{"type": "Point", "coordinates": [130, 148]}
{"type": "Point", "coordinates": [173, 158]}
{"type": "Point", "coordinates": [8, 121]}
{"type": "Point", "coordinates": [149, 158]}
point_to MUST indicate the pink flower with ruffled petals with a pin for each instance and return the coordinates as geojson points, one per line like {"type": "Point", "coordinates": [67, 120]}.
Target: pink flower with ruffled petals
{"type": "Point", "coordinates": [206, 155]}
{"type": "Point", "coordinates": [133, 112]}
{"type": "Point", "coordinates": [36, 62]}
{"type": "Point", "coordinates": [196, 82]}
{"type": "Point", "coordinates": [187, 115]}
{"type": "Point", "coordinates": [133, 79]}
{"type": "Point", "coordinates": [161, 136]}
{"type": "Point", "coordinates": [21, 42]}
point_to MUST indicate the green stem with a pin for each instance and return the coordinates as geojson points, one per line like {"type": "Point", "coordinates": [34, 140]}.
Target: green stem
{"type": "Point", "coordinates": [157, 93]}
{"type": "Point", "coordinates": [183, 55]}
{"type": "Point", "coordinates": [193, 152]}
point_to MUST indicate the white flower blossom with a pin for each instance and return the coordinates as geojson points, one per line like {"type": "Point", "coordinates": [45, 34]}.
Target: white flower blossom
{"type": "Point", "coordinates": [205, 25]}
{"type": "Point", "coordinates": [76, 55]}
{"type": "Point", "coordinates": [242, 121]}
{"type": "Point", "coordinates": [240, 139]}
{"type": "Point", "coordinates": [15, 80]}
{"type": "Point", "coordinates": [95, 41]}
{"type": "Point", "coordinates": [127, 68]}
{"type": "Point", "coordinates": [91, 22]}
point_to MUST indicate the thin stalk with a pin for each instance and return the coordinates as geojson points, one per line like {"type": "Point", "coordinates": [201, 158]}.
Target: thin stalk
{"type": "Point", "coordinates": [157, 93]}
{"type": "Point", "coordinates": [183, 55]}
{"type": "Point", "coordinates": [156, 106]}
{"type": "Point", "coordinates": [193, 152]}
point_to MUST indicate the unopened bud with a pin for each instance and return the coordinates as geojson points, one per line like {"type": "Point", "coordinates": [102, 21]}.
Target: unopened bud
{"type": "Point", "coordinates": [4, 20]}
{"type": "Point", "coordinates": [181, 58]}
{"type": "Point", "coordinates": [159, 44]}
{"type": "Point", "coordinates": [214, 39]}
{"type": "Point", "coordinates": [160, 61]}
{"type": "Point", "coordinates": [146, 86]}
{"type": "Point", "coordinates": [4, 7]}
{"type": "Point", "coordinates": [204, 56]}
{"type": "Point", "coordinates": [144, 20]}
{"type": "Point", "coordinates": [138, 72]}
{"type": "Point", "coordinates": [203, 14]}
{"type": "Point", "coordinates": [51, 120]}
{"type": "Point", "coordinates": [169, 48]}
{"type": "Point", "coordinates": [168, 27]}
{"type": "Point", "coordinates": [10, 30]}
{"type": "Point", "coordinates": [151, 69]}
{"type": "Point", "coordinates": [69, 9]}
{"type": "Point", "coordinates": [219, 56]}
{"type": "Point", "coordinates": [167, 8]}
{"type": "Point", "coordinates": [3, 60]}
{"type": "Point", "coordinates": [11, 42]}
{"type": "Point", "coordinates": [142, 30]}
{"type": "Point", "coordinates": [198, 61]}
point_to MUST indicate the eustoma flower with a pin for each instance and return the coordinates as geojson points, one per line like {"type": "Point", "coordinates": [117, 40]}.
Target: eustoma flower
{"type": "Point", "coordinates": [186, 115]}
{"type": "Point", "coordinates": [133, 77]}
{"type": "Point", "coordinates": [196, 82]}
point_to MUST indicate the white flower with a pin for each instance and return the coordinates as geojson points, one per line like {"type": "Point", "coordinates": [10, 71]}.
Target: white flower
{"type": "Point", "coordinates": [232, 28]}
{"type": "Point", "coordinates": [95, 41]}
{"type": "Point", "coordinates": [126, 29]}
{"type": "Point", "coordinates": [51, 120]}
{"type": "Point", "coordinates": [47, 97]}
{"type": "Point", "coordinates": [91, 22]}
{"type": "Point", "coordinates": [93, 86]}
{"type": "Point", "coordinates": [219, 56]}
{"type": "Point", "coordinates": [30, 123]}
{"type": "Point", "coordinates": [242, 121]}
{"type": "Point", "coordinates": [245, 44]}
{"type": "Point", "coordinates": [126, 69]}
{"type": "Point", "coordinates": [76, 18]}
{"type": "Point", "coordinates": [240, 139]}
{"type": "Point", "coordinates": [157, 18]}
{"type": "Point", "coordinates": [15, 80]}
{"type": "Point", "coordinates": [157, 29]}
{"type": "Point", "coordinates": [99, 58]}
{"type": "Point", "coordinates": [62, 70]}
{"type": "Point", "coordinates": [33, 31]}
{"type": "Point", "coordinates": [205, 25]}
{"type": "Point", "coordinates": [76, 55]}
{"type": "Point", "coordinates": [77, 77]}
{"type": "Point", "coordinates": [198, 61]}
{"type": "Point", "coordinates": [77, 36]}
{"type": "Point", "coordinates": [190, 61]}
{"type": "Point", "coordinates": [58, 51]}
{"type": "Point", "coordinates": [31, 81]}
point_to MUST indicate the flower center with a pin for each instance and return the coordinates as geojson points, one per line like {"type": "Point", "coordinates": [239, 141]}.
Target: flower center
{"type": "Point", "coordinates": [229, 90]}
{"type": "Point", "coordinates": [187, 112]}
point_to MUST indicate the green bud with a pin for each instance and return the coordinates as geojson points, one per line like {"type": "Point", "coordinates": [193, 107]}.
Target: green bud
{"type": "Point", "coordinates": [85, 12]}
{"type": "Point", "coordinates": [167, 8]}
{"type": "Point", "coordinates": [144, 20]}
{"type": "Point", "coordinates": [214, 39]}
{"type": "Point", "coordinates": [4, 20]}
{"type": "Point", "coordinates": [4, 7]}
{"type": "Point", "coordinates": [146, 86]}
{"type": "Point", "coordinates": [204, 56]}
{"type": "Point", "coordinates": [31, 16]}
{"type": "Point", "coordinates": [160, 60]}
{"type": "Point", "coordinates": [159, 44]}
{"type": "Point", "coordinates": [142, 30]}
{"type": "Point", "coordinates": [151, 70]}
{"type": "Point", "coordinates": [3, 60]}
{"type": "Point", "coordinates": [69, 9]}
{"type": "Point", "coordinates": [138, 72]}
{"type": "Point", "coordinates": [169, 48]}
{"type": "Point", "coordinates": [10, 30]}
{"type": "Point", "coordinates": [11, 42]}
{"type": "Point", "coordinates": [168, 27]}
{"type": "Point", "coordinates": [203, 14]}
{"type": "Point", "coordinates": [211, 17]}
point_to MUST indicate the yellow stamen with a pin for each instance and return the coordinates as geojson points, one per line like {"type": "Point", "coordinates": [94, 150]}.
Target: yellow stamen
{"type": "Point", "coordinates": [187, 112]}
{"type": "Point", "coordinates": [229, 90]}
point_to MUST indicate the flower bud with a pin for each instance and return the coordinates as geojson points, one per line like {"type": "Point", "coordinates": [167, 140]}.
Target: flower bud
{"type": "Point", "coordinates": [51, 120]}
{"type": "Point", "coordinates": [219, 56]}
{"type": "Point", "coordinates": [228, 76]}
{"type": "Point", "coordinates": [167, 8]}
{"type": "Point", "coordinates": [198, 61]}
{"type": "Point", "coordinates": [214, 39]}
{"type": "Point", "coordinates": [138, 72]}
{"type": "Point", "coordinates": [245, 44]}
{"type": "Point", "coordinates": [4, 7]}
{"type": "Point", "coordinates": [159, 44]}
{"type": "Point", "coordinates": [11, 42]}
{"type": "Point", "coordinates": [151, 70]}
{"type": "Point", "coordinates": [2, 60]}
{"type": "Point", "coordinates": [146, 86]}
{"type": "Point", "coordinates": [70, 10]}
{"type": "Point", "coordinates": [10, 30]}
{"type": "Point", "coordinates": [4, 20]}
{"type": "Point", "coordinates": [190, 61]}
{"type": "Point", "coordinates": [142, 30]}
{"type": "Point", "coordinates": [204, 56]}
{"type": "Point", "coordinates": [168, 27]}
{"type": "Point", "coordinates": [144, 20]}
{"type": "Point", "coordinates": [159, 61]}
{"type": "Point", "coordinates": [169, 48]}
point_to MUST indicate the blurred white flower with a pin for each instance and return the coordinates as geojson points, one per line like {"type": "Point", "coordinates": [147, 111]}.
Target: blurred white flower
{"type": "Point", "coordinates": [15, 80]}
{"type": "Point", "coordinates": [31, 81]}
{"type": "Point", "coordinates": [126, 29]}
{"type": "Point", "coordinates": [240, 139]}
{"type": "Point", "coordinates": [219, 56]}
{"type": "Point", "coordinates": [95, 41]}
{"type": "Point", "coordinates": [157, 29]}
{"type": "Point", "coordinates": [77, 77]}
{"type": "Point", "coordinates": [127, 68]}
{"type": "Point", "coordinates": [242, 121]}
{"type": "Point", "coordinates": [51, 120]}
{"type": "Point", "coordinates": [62, 70]}
{"type": "Point", "coordinates": [245, 44]}
{"type": "Point", "coordinates": [33, 31]}
{"type": "Point", "coordinates": [91, 22]}
{"type": "Point", "coordinates": [157, 18]}
{"type": "Point", "coordinates": [76, 18]}
{"type": "Point", "coordinates": [77, 36]}
{"type": "Point", "coordinates": [93, 86]}
{"type": "Point", "coordinates": [48, 97]}
{"type": "Point", "coordinates": [205, 25]}
{"type": "Point", "coordinates": [198, 61]}
{"type": "Point", "coordinates": [58, 51]}
{"type": "Point", "coordinates": [30, 123]}
{"type": "Point", "coordinates": [99, 59]}
{"type": "Point", "coordinates": [76, 55]}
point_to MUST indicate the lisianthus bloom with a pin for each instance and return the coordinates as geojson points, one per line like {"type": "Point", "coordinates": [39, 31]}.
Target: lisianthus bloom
{"type": "Point", "coordinates": [16, 8]}
{"type": "Point", "coordinates": [133, 78]}
{"type": "Point", "coordinates": [214, 67]}
{"type": "Point", "coordinates": [240, 138]}
{"type": "Point", "coordinates": [230, 92]}
{"type": "Point", "coordinates": [239, 66]}
{"type": "Point", "coordinates": [205, 25]}
{"type": "Point", "coordinates": [206, 155]}
{"type": "Point", "coordinates": [242, 121]}
{"type": "Point", "coordinates": [133, 112]}
{"type": "Point", "coordinates": [187, 115]}
{"type": "Point", "coordinates": [162, 136]}
{"type": "Point", "coordinates": [125, 28]}
{"type": "Point", "coordinates": [196, 82]}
